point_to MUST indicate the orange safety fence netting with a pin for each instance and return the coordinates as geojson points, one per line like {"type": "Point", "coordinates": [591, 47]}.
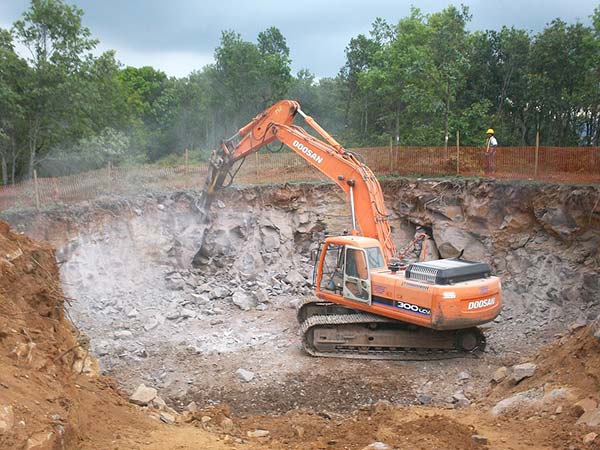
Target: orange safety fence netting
{"type": "Point", "coordinates": [557, 164]}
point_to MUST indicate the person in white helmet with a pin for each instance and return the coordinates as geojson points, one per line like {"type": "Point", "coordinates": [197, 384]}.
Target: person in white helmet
{"type": "Point", "coordinates": [490, 149]}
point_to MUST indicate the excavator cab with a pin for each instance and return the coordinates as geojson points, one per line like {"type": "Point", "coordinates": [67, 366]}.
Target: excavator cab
{"type": "Point", "coordinates": [344, 267]}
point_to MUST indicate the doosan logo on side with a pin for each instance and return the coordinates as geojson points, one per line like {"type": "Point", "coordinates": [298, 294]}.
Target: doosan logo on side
{"type": "Point", "coordinates": [482, 303]}
{"type": "Point", "coordinates": [308, 152]}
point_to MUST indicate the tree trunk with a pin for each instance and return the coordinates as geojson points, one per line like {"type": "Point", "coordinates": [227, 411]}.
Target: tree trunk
{"type": "Point", "coordinates": [365, 133]}
{"type": "Point", "coordinates": [33, 140]}
{"type": "Point", "coordinates": [4, 170]}
{"type": "Point", "coordinates": [505, 84]}
{"type": "Point", "coordinates": [13, 169]}
{"type": "Point", "coordinates": [446, 114]}
{"type": "Point", "coordinates": [397, 130]}
{"type": "Point", "coordinates": [347, 108]}
{"type": "Point", "coordinates": [14, 155]}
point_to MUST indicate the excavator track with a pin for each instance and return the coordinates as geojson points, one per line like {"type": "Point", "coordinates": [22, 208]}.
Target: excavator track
{"type": "Point", "coordinates": [356, 334]}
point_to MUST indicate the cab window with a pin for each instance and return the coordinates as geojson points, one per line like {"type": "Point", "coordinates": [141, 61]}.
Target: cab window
{"type": "Point", "coordinates": [375, 258]}
{"type": "Point", "coordinates": [356, 265]}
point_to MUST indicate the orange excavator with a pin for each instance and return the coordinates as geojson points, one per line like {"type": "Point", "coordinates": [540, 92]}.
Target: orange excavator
{"type": "Point", "coordinates": [369, 303]}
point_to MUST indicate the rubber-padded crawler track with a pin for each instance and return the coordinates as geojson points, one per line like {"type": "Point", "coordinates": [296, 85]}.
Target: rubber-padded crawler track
{"type": "Point", "coordinates": [339, 321]}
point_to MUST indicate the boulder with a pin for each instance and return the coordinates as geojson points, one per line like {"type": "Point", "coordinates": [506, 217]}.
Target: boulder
{"type": "Point", "coordinates": [518, 400]}
{"type": "Point", "coordinates": [245, 375]}
{"type": "Point", "coordinates": [261, 296]}
{"type": "Point", "coordinates": [271, 238]}
{"type": "Point", "coordinates": [176, 284]}
{"type": "Point", "coordinates": [200, 299]}
{"type": "Point", "coordinates": [583, 406]}
{"type": "Point", "coordinates": [227, 425]}
{"type": "Point", "coordinates": [167, 418]}
{"type": "Point", "coordinates": [258, 434]}
{"type": "Point", "coordinates": [578, 324]}
{"type": "Point", "coordinates": [45, 440]}
{"type": "Point", "coordinates": [463, 376]}
{"type": "Point", "coordinates": [219, 292]}
{"type": "Point", "coordinates": [479, 439]}
{"type": "Point", "coordinates": [590, 418]}
{"type": "Point", "coordinates": [294, 277]}
{"type": "Point", "coordinates": [522, 371]}
{"type": "Point", "coordinates": [187, 313]}
{"type": "Point", "coordinates": [243, 300]}
{"type": "Point", "coordinates": [451, 241]}
{"type": "Point", "coordinates": [7, 418]}
{"type": "Point", "coordinates": [589, 438]}
{"type": "Point", "coordinates": [424, 399]}
{"type": "Point", "coordinates": [158, 403]}
{"type": "Point", "coordinates": [557, 221]}
{"type": "Point", "coordinates": [123, 334]}
{"type": "Point", "coordinates": [143, 395]}
{"type": "Point", "coordinates": [151, 324]}
{"type": "Point", "coordinates": [460, 399]}
{"type": "Point", "coordinates": [377, 446]}
{"type": "Point", "coordinates": [192, 407]}
{"type": "Point", "coordinates": [500, 374]}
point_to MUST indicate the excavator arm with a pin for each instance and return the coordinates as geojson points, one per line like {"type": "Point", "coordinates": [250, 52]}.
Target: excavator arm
{"type": "Point", "coordinates": [369, 215]}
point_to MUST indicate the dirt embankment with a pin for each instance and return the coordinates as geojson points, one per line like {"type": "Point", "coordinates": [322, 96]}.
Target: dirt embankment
{"type": "Point", "coordinates": [50, 395]}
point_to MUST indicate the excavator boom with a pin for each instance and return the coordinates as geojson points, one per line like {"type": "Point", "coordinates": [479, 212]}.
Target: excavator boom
{"type": "Point", "coordinates": [328, 156]}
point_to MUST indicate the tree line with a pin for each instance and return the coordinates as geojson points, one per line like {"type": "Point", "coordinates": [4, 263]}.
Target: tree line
{"type": "Point", "coordinates": [414, 82]}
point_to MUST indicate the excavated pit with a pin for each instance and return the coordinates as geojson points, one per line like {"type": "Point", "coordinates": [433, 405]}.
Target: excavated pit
{"type": "Point", "coordinates": [154, 319]}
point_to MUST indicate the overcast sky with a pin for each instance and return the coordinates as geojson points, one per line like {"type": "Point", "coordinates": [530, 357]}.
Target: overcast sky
{"type": "Point", "coordinates": [178, 36]}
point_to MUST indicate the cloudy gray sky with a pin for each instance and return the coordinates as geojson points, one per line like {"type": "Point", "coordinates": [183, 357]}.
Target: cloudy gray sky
{"type": "Point", "coordinates": [178, 36]}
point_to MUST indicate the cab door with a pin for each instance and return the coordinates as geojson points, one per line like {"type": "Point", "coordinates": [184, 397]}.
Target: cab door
{"type": "Point", "coordinates": [357, 280]}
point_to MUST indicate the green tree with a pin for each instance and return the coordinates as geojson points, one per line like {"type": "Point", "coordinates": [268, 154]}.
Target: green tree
{"type": "Point", "coordinates": [12, 90]}
{"type": "Point", "coordinates": [562, 57]}
{"type": "Point", "coordinates": [448, 50]}
{"type": "Point", "coordinates": [57, 42]}
{"type": "Point", "coordinates": [275, 71]}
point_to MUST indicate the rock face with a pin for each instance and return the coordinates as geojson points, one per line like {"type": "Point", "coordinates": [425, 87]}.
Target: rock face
{"type": "Point", "coordinates": [143, 395]}
{"type": "Point", "coordinates": [537, 238]}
